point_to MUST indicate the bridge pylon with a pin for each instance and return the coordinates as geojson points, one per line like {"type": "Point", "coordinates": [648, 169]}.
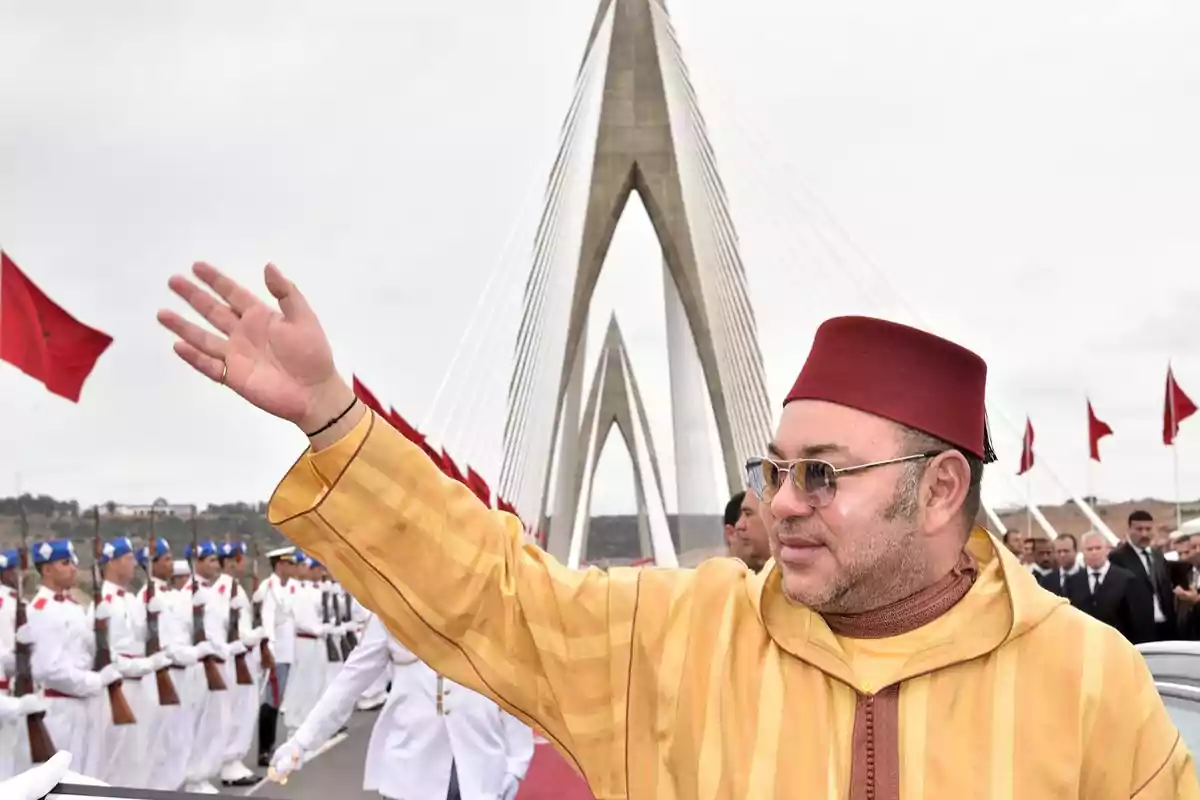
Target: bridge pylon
{"type": "Point", "coordinates": [634, 127]}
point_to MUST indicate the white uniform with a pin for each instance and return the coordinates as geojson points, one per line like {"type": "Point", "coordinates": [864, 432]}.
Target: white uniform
{"type": "Point", "coordinates": [212, 708]}
{"type": "Point", "coordinates": [171, 742]}
{"type": "Point", "coordinates": [125, 745]}
{"type": "Point", "coordinates": [428, 724]}
{"type": "Point", "coordinates": [64, 644]}
{"type": "Point", "coordinates": [310, 667]}
{"type": "Point", "coordinates": [242, 699]}
{"type": "Point", "coordinates": [11, 738]}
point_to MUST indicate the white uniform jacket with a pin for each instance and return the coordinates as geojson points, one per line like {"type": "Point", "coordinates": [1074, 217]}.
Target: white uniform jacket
{"type": "Point", "coordinates": [427, 723]}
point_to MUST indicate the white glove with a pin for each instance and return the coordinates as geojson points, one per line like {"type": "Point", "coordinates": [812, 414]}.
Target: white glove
{"type": "Point", "coordinates": [287, 759]}
{"type": "Point", "coordinates": [24, 635]}
{"type": "Point", "coordinates": [240, 602]}
{"type": "Point", "coordinates": [134, 668]}
{"type": "Point", "coordinates": [509, 787]}
{"type": "Point", "coordinates": [36, 783]}
{"type": "Point", "coordinates": [109, 675]}
{"type": "Point", "coordinates": [103, 611]}
{"type": "Point", "coordinates": [33, 704]}
{"type": "Point", "coordinates": [156, 605]}
{"type": "Point", "coordinates": [159, 661]}
{"type": "Point", "coordinates": [236, 648]}
{"type": "Point", "coordinates": [183, 656]}
{"type": "Point", "coordinates": [252, 638]}
{"type": "Point", "coordinates": [204, 650]}
{"type": "Point", "coordinates": [8, 663]}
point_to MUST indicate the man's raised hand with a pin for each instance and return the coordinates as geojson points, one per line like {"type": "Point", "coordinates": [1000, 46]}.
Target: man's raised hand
{"type": "Point", "coordinates": [279, 360]}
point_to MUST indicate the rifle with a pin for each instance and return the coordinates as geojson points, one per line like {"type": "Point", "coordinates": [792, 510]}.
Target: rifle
{"type": "Point", "coordinates": [233, 633]}
{"type": "Point", "coordinates": [349, 640]}
{"type": "Point", "coordinates": [122, 714]}
{"type": "Point", "coordinates": [212, 673]}
{"type": "Point", "coordinates": [41, 746]}
{"type": "Point", "coordinates": [167, 696]}
{"type": "Point", "coordinates": [331, 649]}
{"type": "Point", "coordinates": [265, 655]}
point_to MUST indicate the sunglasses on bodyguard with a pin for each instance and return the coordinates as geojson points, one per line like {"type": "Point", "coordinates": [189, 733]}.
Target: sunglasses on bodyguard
{"type": "Point", "coordinates": [815, 480]}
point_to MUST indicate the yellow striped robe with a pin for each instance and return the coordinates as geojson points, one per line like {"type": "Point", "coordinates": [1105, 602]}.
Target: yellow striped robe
{"type": "Point", "coordinates": [708, 683]}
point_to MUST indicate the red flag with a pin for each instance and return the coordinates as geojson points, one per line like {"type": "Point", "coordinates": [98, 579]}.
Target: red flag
{"type": "Point", "coordinates": [369, 400]}
{"type": "Point", "coordinates": [450, 468]}
{"type": "Point", "coordinates": [1097, 430]}
{"type": "Point", "coordinates": [1027, 449]}
{"type": "Point", "coordinates": [504, 505]}
{"type": "Point", "coordinates": [43, 341]}
{"type": "Point", "coordinates": [1176, 409]}
{"type": "Point", "coordinates": [479, 486]}
{"type": "Point", "coordinates": [401, 424]}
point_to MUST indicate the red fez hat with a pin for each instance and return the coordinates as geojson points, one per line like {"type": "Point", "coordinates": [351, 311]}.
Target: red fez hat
{"type": "Point", "coordinates": [902, 374]}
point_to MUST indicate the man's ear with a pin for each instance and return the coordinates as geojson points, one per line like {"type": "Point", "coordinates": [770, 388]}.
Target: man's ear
{"type": "Point", "coordinates": [947, 482]}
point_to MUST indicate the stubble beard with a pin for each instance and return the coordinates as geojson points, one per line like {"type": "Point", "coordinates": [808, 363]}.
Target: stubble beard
{"type": "Point", "coordinates": [884, 567]}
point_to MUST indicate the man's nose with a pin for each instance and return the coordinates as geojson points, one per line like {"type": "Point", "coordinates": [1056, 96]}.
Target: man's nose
{"type": "Point", "coordinates": [790, 502]}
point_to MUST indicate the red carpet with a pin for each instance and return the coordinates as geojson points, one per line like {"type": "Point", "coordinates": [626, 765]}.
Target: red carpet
{"type": "Point", "coordinates": [552, 778]}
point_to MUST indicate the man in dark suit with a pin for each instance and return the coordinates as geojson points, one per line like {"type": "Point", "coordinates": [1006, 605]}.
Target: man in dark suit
{"type": "Point", "coordinates": [1065, 565]}
{"type": "Point", "coordinates": [1148, 564]}
{"type": "Point", "coordinates": [1111, 594]}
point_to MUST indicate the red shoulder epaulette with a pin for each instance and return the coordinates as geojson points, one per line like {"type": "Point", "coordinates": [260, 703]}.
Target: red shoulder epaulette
{"type": "Point", "coordinates": [221, 589]}
{"type": "Point", "coordinates": [108, 598]}
{"type": "Point", "coordinates": [40, 603]}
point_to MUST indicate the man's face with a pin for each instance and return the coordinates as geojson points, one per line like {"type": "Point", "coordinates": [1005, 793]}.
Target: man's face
{"type": "Point", "coordinates": [1095, 552]}
{"type": "Point", "coordinates": [1027, 550]}
{"type": "Point", "coordinates": [1141, 532]}
{"type": "Point", "coordinates": [208, 568]}
{"type": "Point", "coordinates": [235, 565]}
{"type": "Point", "coordinates": [120, 570]}
{"type": "Point", "coordinates": [1064, 552]}
{"type": "Point", "coordinates": [162, 567]}
{"type": "Point", "coordinates": [842, 557]}
{"type": "Point", "coordinates": [1043, 553]}
{"type": "Point", "coordinates": [1014, 542]}
{"type": "Point", "coordinates": [751, 534]}
{"type": "Point", "coordinates": [60, 575]}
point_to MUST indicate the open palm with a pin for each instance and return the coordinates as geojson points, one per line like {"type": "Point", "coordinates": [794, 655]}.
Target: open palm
{"type": "Point", "coordinates": [279, 360]}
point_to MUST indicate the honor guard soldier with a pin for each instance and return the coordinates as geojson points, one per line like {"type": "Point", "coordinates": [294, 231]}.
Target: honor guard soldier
{"type": "Point", "coordinates": [63, 642]}
{"type": "Point", "coordinates": [212, 709]}
{"type": "Point", "coordinates": [173, 724]}
{"type": "Point", "coordinates": [242, 671]}
{"type": "Point", "coordinates": [279, 621]}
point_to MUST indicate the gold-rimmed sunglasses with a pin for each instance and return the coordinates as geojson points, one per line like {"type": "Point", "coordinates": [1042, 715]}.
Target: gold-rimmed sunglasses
{"type": "Point", "coordinates": [815, 480]}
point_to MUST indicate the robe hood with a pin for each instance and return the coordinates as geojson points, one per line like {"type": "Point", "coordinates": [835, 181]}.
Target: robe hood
{"type": "Point", "coordinates": [1024, 605]}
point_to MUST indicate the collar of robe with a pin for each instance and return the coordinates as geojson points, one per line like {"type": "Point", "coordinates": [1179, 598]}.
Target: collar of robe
{"type": "Point", "coordinates": [806, 635]}
{"type": "Point", "coordinates": [915, 611]}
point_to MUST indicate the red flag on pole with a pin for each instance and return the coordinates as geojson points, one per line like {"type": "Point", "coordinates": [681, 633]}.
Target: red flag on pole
{"type": "Point", "coordinates": [479, 486]}
{"type": "Point", "coordinates": [367, 397]}
{"type": "Point", "coordinates": [451, 469]}
{"type": "Point", "coordinates": [1097, 430]}
{"type": "Point", "coordinates": [1177, 407]}
{"type": "Point", "coordinates": [1027, 449]}
{"type": "Point", "coordinates": [41, 339]}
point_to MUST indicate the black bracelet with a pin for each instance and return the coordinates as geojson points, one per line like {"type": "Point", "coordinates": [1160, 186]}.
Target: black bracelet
{"type": "Point", "coordinates": [333, 421]}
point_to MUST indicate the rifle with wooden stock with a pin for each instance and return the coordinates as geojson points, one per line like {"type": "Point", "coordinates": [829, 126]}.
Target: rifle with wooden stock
{"type": "Point", "coordinates": [122, 714]}
{"type": "Point", "coordinates": [332, 654]}
{"type": "Point", "coordinates": [167, 696]}
{"type": "Point", "coordinates": [233, 632]}
{"type": "Point", "coordinates": [266, 657]}
{"type": "Point", "coordinates": [41, 746]}
{"type": "Point", "coordinates": [212, 673]}
{"type": "Point", "coordinates": [349, 640]}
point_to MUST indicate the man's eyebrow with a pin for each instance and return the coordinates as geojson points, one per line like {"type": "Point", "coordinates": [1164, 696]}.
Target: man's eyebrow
{"type": "Point", "coordinates": [809, 451]}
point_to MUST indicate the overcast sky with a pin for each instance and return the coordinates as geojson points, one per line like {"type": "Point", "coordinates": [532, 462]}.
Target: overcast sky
{"type": "Point", "coordinates": [1026, 176]}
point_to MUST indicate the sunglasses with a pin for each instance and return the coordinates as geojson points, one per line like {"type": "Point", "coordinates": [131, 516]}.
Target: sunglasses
{"type": "Point", "coordinates": [815, 480]}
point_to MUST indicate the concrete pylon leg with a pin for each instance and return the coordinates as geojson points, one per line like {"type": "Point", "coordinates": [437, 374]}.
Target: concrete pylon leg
{"type": "Point", "coordinates": [651, 140]}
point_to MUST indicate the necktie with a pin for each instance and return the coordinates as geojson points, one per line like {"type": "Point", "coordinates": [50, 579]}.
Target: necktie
{"type": "Point", "coordinates": [1095, 580]}
{"type": "Point", "coordinates": [1150, 569]}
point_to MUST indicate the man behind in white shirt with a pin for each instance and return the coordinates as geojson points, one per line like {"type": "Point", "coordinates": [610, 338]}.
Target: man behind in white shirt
{"type": "Point", "coordinates": [433, 739]}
